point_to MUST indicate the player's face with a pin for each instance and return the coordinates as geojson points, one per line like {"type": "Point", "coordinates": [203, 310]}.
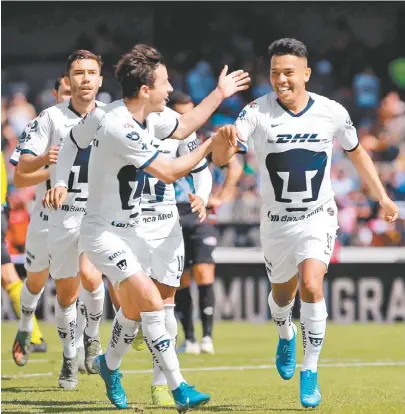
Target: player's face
{"type": "Point", "coordinates": [63, 92]}
{"type": "Point", "coordinates": [288, 75]}
{"type": "Point", "coordinates": [159, 94]}
{"type": "Point", "coordinates": [84, 79]}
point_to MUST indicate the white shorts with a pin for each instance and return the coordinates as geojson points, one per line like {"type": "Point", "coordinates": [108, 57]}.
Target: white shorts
{"type": "Point", "coordinates": [287, 243]}
{"type": "Point", "coordinates": [163, 256]}
{"type": "Point", "coordinates": [113, 254]}
{"type": "Point", "coordinates": [36, 249]}
{"type": "Point", "coordinates": [64, 252]}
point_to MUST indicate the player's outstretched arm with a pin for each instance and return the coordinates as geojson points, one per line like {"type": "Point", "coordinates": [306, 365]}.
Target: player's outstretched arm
{"type": "Point", "coordinates": [227, 86]}
{"type": "Point", "coordinates": [234, 171]}
{"type": "Point", "coordinates": [170, 171]}
{"type": "Point", "coordinates": [367, 171]}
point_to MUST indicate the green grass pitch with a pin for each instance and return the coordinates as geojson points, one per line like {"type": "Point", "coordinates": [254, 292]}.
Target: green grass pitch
{"type": "Point", "coordinates": [362, 371]}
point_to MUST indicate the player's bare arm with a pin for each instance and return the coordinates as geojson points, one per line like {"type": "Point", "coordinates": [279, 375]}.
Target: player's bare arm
{"type": "Point", "coordinates": [227, 86]}
{"type": "Point", "coordinates": [29, 163]}
{"type": "Point", "coordinates": [367, 171]}
{"type": "Point", "coordinates": [22, 179]}
{"type": "Point", "coordinates": [234, 171]}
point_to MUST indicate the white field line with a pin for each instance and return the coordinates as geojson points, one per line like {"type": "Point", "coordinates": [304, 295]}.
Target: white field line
{"type": "Point", "coordinates": [236, 368]}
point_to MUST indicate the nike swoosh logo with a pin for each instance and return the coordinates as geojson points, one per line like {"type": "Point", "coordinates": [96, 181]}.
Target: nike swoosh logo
{"type": "Point", "coordinates": [70, 125]}
{"type": "Point", "coordinates": [312, 333]}
{"type": "Point", "coordinates": [275, 125]}
{"type": "Point", "coordinates": [99, 127]}
{"type": "Point", "coordinates": [157, 339]}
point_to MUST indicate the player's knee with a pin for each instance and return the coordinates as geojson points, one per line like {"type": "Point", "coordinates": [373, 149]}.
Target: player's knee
{"type": "Point", "coordinates": [35, 285]}
{"type": "Point", "coordinates": [67, 291]}
{"type": "Point", "coordinates": [204, 273]}
{"type": "Point", "coordinates": [311, 289]}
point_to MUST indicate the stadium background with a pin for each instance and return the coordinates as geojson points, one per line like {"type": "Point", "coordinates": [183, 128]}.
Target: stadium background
{"type": "Point", "coordinates": [357, 54]}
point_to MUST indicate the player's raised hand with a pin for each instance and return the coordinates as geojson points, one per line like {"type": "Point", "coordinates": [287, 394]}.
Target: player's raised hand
{"type": "Point", "coordinates": [197, 205]}
{"type": "Point", "coordinates": [51, 157]}
{"type": "Point", "coordinates": [390, 209]}
{"type": "Point", "coordinates": [229, 84]}
{"type": "Point", "coordinates": [55, 197]}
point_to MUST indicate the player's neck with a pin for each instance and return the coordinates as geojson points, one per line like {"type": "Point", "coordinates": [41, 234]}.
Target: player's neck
{"type": "Point", "coordinates": [299, 104]}
{"type": "Point", "coordinates": [82, 107]}
{"type": "Point", "coordinates": [137, 109]}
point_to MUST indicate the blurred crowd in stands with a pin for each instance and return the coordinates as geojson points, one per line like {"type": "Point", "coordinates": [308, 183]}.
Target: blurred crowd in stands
{"type": "Point", "coordinates": [377, 110]}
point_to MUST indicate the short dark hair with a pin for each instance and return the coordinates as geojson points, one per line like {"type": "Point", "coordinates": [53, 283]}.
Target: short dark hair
{"type": "Point", "coordinates": [178, 97]}
{"type": "Point", "coordinates": [288, 46]}
{"type": "Point", "coordinates": [58, 81]}
{"type": "Point", "coordinates": [80, 55]}
{"type": "Point", "coordinates": [136, 68]}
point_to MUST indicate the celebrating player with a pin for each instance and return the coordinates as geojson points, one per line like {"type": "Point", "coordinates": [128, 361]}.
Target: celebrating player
{"type": "Point", "coordinates": [84, 79]}
{"type": "Point", "coordinates": [292, 131]}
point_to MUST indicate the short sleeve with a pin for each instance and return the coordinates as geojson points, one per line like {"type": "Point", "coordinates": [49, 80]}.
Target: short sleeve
{"type": "Point", "coordinates": [135, 146]}
{"type": "Point", "coordinates": [246, 123]}
{"type": "Point", "coordinates": [165, 123]}
{"type": "Point", "coordinates": [83, 133]}
{"type": "Point", "coordinates": [187, 146]}
{"type": "Point", "coordinates": [345, 131]}
{"type": "Point", "coordinates": [38, 138]}
{"type": "Point", "coordinates": [15, 156]}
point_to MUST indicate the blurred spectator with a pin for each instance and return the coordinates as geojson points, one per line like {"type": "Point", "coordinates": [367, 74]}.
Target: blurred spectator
{"type": "Point", "coordinates": [20, 112]}
{"type": "Point", "coordinates": [200, 81]}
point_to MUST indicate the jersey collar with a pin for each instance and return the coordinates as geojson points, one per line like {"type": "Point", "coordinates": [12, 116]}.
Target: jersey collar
{"type": "Point", "coordinates": [74, 110]}
{"type": "Point", "coordinates": [309, 104]}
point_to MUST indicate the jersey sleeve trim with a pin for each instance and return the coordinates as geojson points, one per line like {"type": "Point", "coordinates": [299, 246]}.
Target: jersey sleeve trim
{"type": "Point", "coordinates": [74, 141]}
{"type": "Point", "coordinates": [27, 151]}
{"type": "Point", "coordinates": [174, 129]}
{"type": "Point", "coordinates": [353, 149]}
{"type": "Point", "coordinates": [200, 168]}
{"type": "Point", "coordinates": [147, 163]}
{"type": "Point", "coordinates": [13, 162]}
{"type": "Point", "coordinates": [242, 148]}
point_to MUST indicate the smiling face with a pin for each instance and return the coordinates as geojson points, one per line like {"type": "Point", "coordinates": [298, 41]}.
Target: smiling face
{"type": "Point", "coordinates": [158, 94]}
{"type": "Point", "coordinates": [84, 79]}
{"type": "Point", "coordinates": [288, 76]}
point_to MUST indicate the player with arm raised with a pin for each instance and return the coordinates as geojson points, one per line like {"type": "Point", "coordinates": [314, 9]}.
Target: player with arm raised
{"type": "Point", "coordinates": [293, 132]}
{"type": "Point", "coordinates": [36, 254]}
{"type": "Point", "coordinates": [122, 151]}
{"type": "Point", "coordinates": [66, 258]}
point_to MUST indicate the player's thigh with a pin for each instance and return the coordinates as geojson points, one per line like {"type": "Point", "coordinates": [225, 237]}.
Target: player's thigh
{"type": "Point", "coordinates": [63, 247]}
{"type": "Point", "coordinates": [90, 276]}
{"type": "Point", "coordinates": [204, 273]}
{"type": "Point", "coordinates": [317, 236]}
{"type": "Point", "coordinates": [36, 250]}
{"type": "Point", "coordinates": [167, 259]}
{"type": "Point", "coordinates": [111, 254]}
{"type": "Point", "coordinates": [278, 250]}
{"type": "Point", "coordinates": [204, 240]}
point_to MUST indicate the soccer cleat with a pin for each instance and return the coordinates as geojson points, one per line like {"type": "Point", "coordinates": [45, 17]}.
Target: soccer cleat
{"type": "Point", "coordinates": [92, 348]}
{"type": "Point", "coordinates": [112, 380]}
{"type": "Point", "coordinates": [139, 343]}
{"type": "Point", "coordinates": [189, 347]}
{"type": "Point", "coordinates": [80, 360]}
{"type": "Point", "coordinates": [187, 397]}
{"type": "Point", "coordinates": [68, 378]}
{"type": "Point", "coordinates": [21, 348]}
{"type": "Point", "coordinates": [310, 395]}
{"type": "Point", "coordinates": [161, 396]}
{"type": "Point", "coordinates": [207, 347]}
{"type": "Point", "coordinates": [41, 347]}
{"type": "Point", "coordinates": [285, 357]}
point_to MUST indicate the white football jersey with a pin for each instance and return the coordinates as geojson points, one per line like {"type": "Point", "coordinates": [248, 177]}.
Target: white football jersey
{"type": "Point", "coordinates": [47, 130]}
{"type": "Point", "coordinates": [121, 148]}
{"type": "Point", "coordinates": [39, 216]}
{"type": "Point", "coordinates": [295, 150]}
{"type": "Point", "coordinates": [161, 125]}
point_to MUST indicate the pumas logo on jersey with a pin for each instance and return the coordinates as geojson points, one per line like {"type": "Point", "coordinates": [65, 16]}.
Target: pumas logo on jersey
{"type": "Point", "coordinates": [297, 138]}
{"type": "Point", "coordinates": [133, 136]}
{"type": "Point", "coordinates": [122, 265]}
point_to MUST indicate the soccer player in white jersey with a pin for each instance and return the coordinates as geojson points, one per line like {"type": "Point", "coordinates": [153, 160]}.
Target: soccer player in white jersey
{"type": "Point", "coordinates": [121, 148]}
{"type": "Point", "coordinates": [292, 131]}
{"type": "Point", "coordinates": [36, 255]}
{"type": "Point", "coordinates": [162, 256]}
{"type": "Point", "coordinates": [66, 258]}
